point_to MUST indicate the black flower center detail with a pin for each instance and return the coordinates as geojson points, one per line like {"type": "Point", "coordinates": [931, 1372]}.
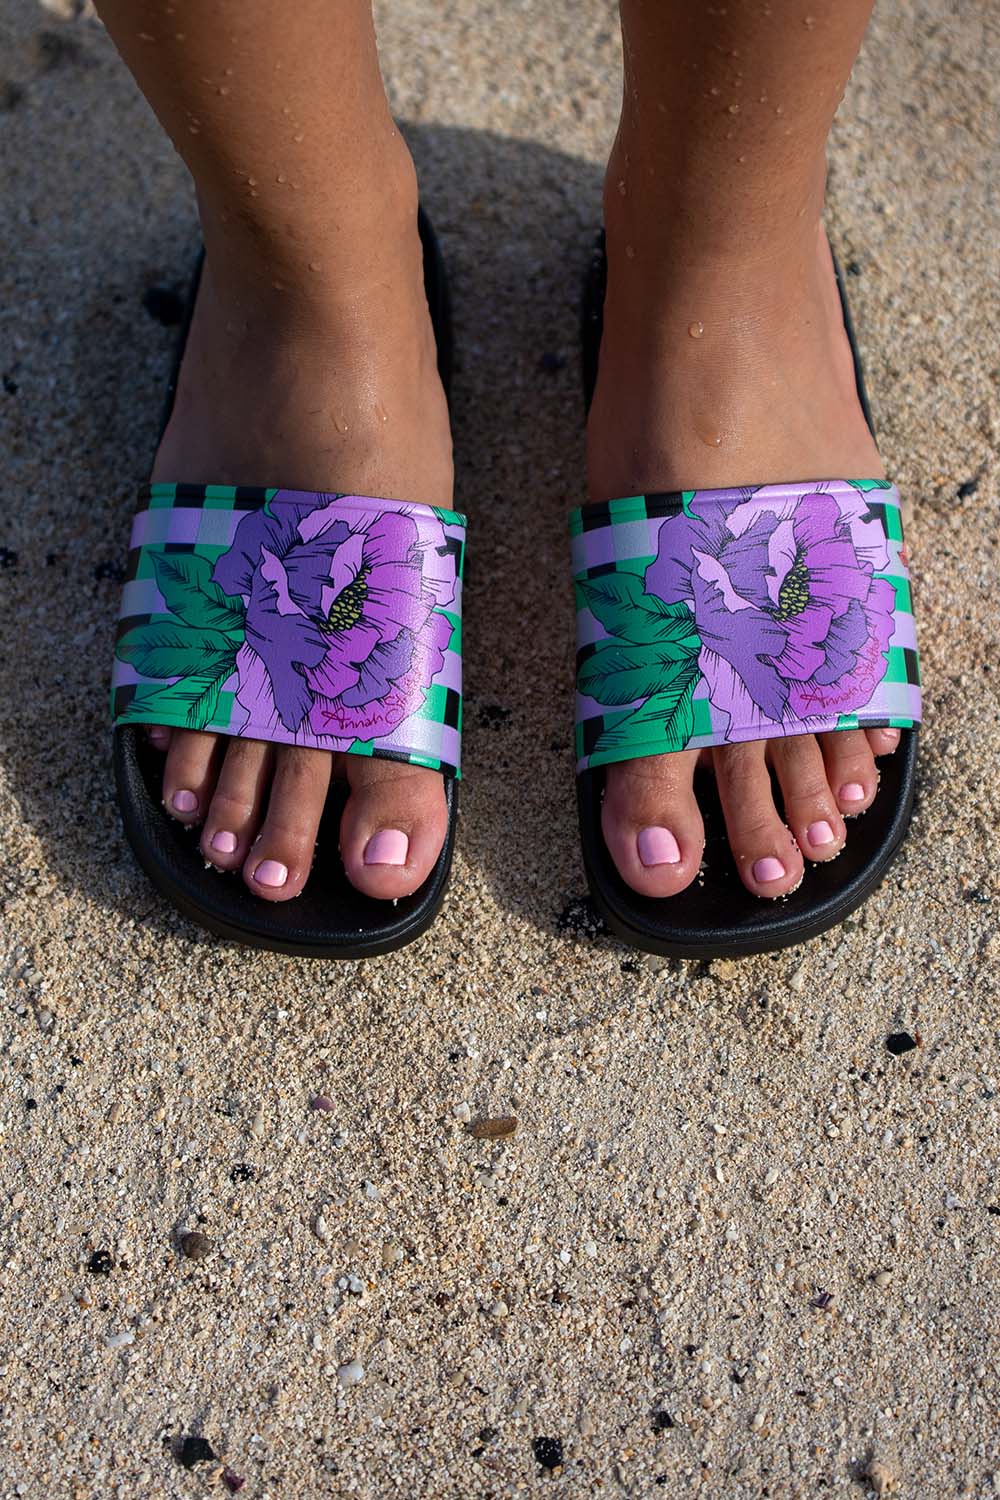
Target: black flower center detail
{"type": "Point", "coordinates": [793, 596]}
{"type": "Point", "coordinates": [349, 605]}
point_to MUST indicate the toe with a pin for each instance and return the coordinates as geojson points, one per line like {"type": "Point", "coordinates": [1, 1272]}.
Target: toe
{"type": "Point", "coordinates": [393, 826]}
{"type": "Point", "coordinates": [850, 769]}
{"type": "Point", "coordinates": [882, 741]}
{"type": "Point", "coordinates": [810, 807]}
{"type": "Point", "coordinates": [277, 865]}
{"type": "Point", "coordinates": [189, 774]}
{"type": "Point", "coordinates": [766, 855]}
{"type": "Point", "coordinates": [158, 736]}
{"type": "Point", "coordinates": [235, 811]}
{"type": "Point", "coordinates": [651, 822]}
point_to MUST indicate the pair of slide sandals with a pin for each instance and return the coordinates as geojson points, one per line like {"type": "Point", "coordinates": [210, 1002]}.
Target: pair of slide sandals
{"type": "Point", "coordinates": [332, 620]}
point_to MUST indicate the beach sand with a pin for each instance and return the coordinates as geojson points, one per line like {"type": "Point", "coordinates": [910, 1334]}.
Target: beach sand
{"type": "Point", "coordinates": [736, 1245]}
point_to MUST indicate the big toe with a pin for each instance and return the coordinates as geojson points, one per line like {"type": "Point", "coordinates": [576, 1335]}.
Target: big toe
{"type": "Point", "coordinates": [393, 826]}
{"type": "Point", "coordinates": [651, 822]}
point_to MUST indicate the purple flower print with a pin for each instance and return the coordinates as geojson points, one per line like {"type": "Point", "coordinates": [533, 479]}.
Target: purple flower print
{"type": "Point", "coordinates": [793, 623]}
{"type": "Point", "coordinates": [342, 634]}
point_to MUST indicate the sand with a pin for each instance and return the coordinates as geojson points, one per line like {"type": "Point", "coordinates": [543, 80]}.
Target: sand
{"type": "Point", "coordinates": [735, 1245]}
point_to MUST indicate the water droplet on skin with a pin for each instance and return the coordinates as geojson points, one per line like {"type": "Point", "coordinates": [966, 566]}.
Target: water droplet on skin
{"type": "Point", "coordinates": [280, 178]}
{"type": "Point", "coordinates": [741, 158]}
{"type": "Point", "coordinates": [180, 37]}
{"type": "Point", "coordinates": [228, 72]}
{"type": "Point", "coordinates": [381, 412]}
{"type": "Point", "coordinates": [279, 286]}
{"type": "Point", "coordinates": [714, 91]}
{"type": "Point", "coordinates": [314, 265]}
{"type": "Point", "coordinates": [779, 109]}
{"type": "Point", "coordinates": [734, 109]}
{"type": "Point", "coordinates": [622, 189]}
{"type": "Point", "coordinates": [696, 330]}
{"type": "Point", "coordinates": [339, 423]}
{"type": "Point", "coordinates": [251, 182]}
{"type": "Point", "coordinates": [298, 139]}
{"type": "Point", "coordinates": [809, 22]}
{"type": "Point", "coordinates": [711, 439]}
{"type": "Point", "coordinates": [762, 99]}
{"type": "Point", "coordinates": [194, 130]}
{"type": "Point", "coordinates": [144, 36]}
{"type": "Point", "coordinates": [222, 89]}
{"type": "Point", "coordinates": [630, 252]}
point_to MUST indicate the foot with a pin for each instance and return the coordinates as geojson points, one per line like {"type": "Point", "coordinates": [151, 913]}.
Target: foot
{"type": "Point", "coordinates": [320, 377]}
{"type": "Point", "coordinates": [729, 371]}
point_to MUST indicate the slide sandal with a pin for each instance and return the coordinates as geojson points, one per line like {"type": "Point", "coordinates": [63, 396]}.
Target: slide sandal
{"type": "Point", "coordinates": [321, 619]}
{"type": "Point", "coordinates": [670, 656]}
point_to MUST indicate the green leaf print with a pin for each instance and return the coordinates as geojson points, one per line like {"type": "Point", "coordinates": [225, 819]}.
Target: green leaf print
{"type": "Point", "coordinates": [188, 704]}
{"type": "Point", "coordinates": [617, 674]}
{"type": "Point", "coordinates": [166, 649]}
{"type": "Point", "coordinates": [619, 601]}
{"type": "Point", "coordinates": [185, 581]}
{"type": "Point", "coordinates": [665, 722]}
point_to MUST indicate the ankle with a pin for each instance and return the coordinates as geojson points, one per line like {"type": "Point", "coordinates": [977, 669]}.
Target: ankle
{"type": "Point", "coordinates": [316, 248]}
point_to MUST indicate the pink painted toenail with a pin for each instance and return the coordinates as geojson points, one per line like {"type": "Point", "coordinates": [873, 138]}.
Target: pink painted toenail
{"type": "Point", "coordinates": [224, 841]}
{"type": "Point", "coordinates": [768, 869]}
{"type": "Point", "coordinates": [891, 734]}
{"type": "Point", "coordinates": [184, 801]}
{"type": "Point", "coordinates": [387, 847]}
{"type": "Point", "coordinates": [657, 846]}
{"type": "Point", "coordinates": [270, 872]}
{"type": "Point", "coordinates": [820, 833]}
{"type": "Point", "coordinates": [852, 792]}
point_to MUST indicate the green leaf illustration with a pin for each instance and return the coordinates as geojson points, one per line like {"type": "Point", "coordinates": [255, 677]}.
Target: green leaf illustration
{"type": "Point", "coordinates": [177, 650]}
{"type": "Point", "coordinates": [190, 703]}
{"type": "Point", "coordinates": [665, 722]}
{"type": "Point", "coordinates": [185, 581]}
{"type": "Point", "coordinates": [617, 674]}
{"type": "Point", "coordinates": [620, 603]}
{"type": "Point", "coordinates": [864, 485]}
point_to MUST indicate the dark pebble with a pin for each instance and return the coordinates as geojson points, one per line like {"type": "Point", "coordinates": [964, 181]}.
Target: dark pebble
{"type": "Point", "coordinates": [492, 1130]}
{"type": "Point", "coordinates": [10, 385]}
{"type": "Point", "coordinates": [31, 1103]}
{"type": "Point", "coordinates": [100, 1263]}
{"type": "Point", "coordinates": [242, 1172]}
{"type": "Point", "coordinates": [853, 268]}
{"type": "Point", "coordinates": [900, 1042]}
{"type": "Point", "coordinates": [548, 1451]}
{"type": "Point", "coordinates": [662, 1421]}
{"type": "Point", "coordinates": [164, 303]}
{"type": "Point", "coordinates": [196, 1450]}
{"type": "Point", "coordinates": [488, 1434]}
{"type": "Point", "coordinates": [196, 1245]}
{"type": "Point", "coordinates": [579, 919]}
{"type": "Point", "coordinates": [233, 1482]}
{"type": "Point", "coordinates": [492, 716]}
{"type": "Point", "coordinates": [968, 487]}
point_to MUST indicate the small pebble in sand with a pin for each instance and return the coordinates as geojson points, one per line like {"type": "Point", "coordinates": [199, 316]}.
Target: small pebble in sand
{"type": "Point", "coordinates": [353, 1373]}
{"type": "Point", "coordinates": [882, 1478]}
{"type": "Point", "coordinates": [548, 1451]}
{"type": "Point", "coordinates": [119, 1340]}
{"type": "Point", "coordinates": [882, 1278]}
{"type": "Point", "coordinates": [196, 1450]}
{"type": "Point", "coordinates": [233, 1482]}
{"type": "Point", "coordinates": [196, 1245]}
{"type": "Point", "coordinates": [320, 1228]}
{"type": "Point", "coordinates": [900, 1042]}
{"type": "Point", "coordinates": [100, 1263]}
{"type": "Point", "coordinates": [493, 1129]}
{"type": "Point", "coordinates": [392, 1254]}
{"type": "Point", "coordinates": [321, 1101]}
{"type": "Point", "coordinates": [499, 1309]}
{"type": "Point", "coordinates": [462, 1112]}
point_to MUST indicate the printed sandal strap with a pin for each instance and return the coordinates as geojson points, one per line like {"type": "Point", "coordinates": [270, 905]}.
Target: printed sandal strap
{"type": "Point", "coordinates": [326, 620]}
{"type": "Point", "coordinates": [709, 617]}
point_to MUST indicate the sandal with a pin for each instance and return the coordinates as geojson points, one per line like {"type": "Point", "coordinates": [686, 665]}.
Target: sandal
{"type": "Point", "coordinates": [665, 662]}
{"type": "Point", "coordinates": [201, 645]}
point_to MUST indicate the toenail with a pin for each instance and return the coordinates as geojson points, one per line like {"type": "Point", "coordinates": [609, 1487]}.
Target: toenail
{"type": "Point", "coordinates": [820, 833]}
{"type": "Point", "coordinates": [657, 846]}
{"type": "Point", "coordinates": [387, 847]}
{"type": "Point", "coordinates": [270, 872]}
{"type": "Point", "coordinates": [224, 841]}
{"type": "Point", "coordinates": [184, 801]}
{"type": "Point", "coordinates": [768, 869]}
{"type": "Point", "coordinates": [891, 735]}
{"type": "Point", "coordinates": [852, 792]}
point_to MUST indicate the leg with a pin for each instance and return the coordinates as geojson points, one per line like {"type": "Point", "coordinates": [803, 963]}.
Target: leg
{"type": "Point", "coordinates": [310, 364]}
{"type": "Point", "coordinates": [724, 361]}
